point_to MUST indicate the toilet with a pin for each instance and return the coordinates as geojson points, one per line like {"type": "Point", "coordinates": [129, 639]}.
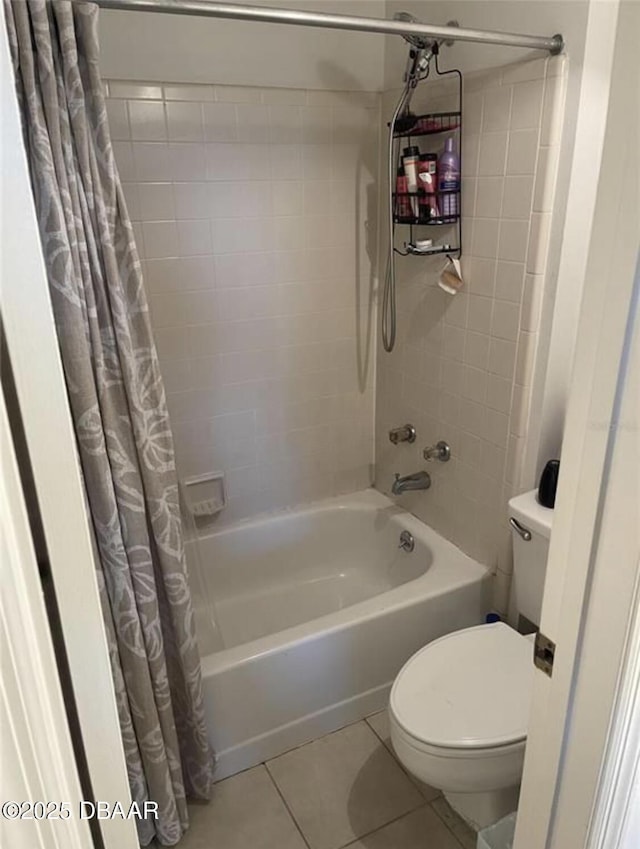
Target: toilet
{"type": "Point", "coordinates": [459, 708]}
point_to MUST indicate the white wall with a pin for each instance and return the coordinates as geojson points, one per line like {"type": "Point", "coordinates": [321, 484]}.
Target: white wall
{"type": "Point", "coordinates": [559, 315]}
{"type": "Point", "coordinates": [533, 17]}
{"type": "Point", "coordinates": [255, 215]}
{"type": "Point", "coordinates": [461, 370]}
{"type": "Point", "coordinates": [151, 46]}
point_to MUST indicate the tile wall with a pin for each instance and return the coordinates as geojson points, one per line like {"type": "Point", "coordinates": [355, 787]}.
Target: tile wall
{"type": "Point", "coordinates": [256, 219]}
{"type": "Point", "coordinates": [462, 369]}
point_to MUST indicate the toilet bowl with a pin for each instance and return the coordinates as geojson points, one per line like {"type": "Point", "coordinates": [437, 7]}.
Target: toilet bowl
{"type": "Point", "coordinates": [459, 711]}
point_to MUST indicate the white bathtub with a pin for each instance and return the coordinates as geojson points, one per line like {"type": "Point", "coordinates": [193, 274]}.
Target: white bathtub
{"type": "Point", "coordinates": [305, 617]}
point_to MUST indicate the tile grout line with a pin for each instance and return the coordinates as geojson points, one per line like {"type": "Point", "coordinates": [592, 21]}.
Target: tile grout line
{"type": "Point", "coordinates": [424, 804]}
{"type": "Point", "coordinates": [287, 808]}
{"type": "Point", "coordinates": [423, 801]}
{"type": "Point", "coordinates": [415, 781]}
{"type": "Point", "coordinates": [446, 824]}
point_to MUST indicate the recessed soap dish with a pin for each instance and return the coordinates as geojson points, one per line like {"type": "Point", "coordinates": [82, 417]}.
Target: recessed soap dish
{"type": "Point", "coordinates": [205, 495]}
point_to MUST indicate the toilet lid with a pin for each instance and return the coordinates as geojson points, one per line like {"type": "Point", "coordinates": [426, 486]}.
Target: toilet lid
{"type": "Point", "coordinates": [469, 689]}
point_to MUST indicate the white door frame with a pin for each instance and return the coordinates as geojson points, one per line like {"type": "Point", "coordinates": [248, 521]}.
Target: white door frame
{"type": "Point", "coordinates": [33, 349]}
{"type": "Point", "coordinates": [38, 760]}
{"type": "Point", "coordinates": [592, 571]}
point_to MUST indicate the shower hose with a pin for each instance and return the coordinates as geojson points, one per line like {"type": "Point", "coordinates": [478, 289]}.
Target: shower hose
{"type": "Point", "coordinates": [389, 297]}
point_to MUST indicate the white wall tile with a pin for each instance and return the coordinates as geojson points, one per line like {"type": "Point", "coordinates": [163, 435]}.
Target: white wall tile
{"type": "Point", "coordinates": [505, 322]}
{"type": "Point", "coordinates": [522, 71]}
{"type": "Point", "coordinates": [517, 197]}
{"type": "Point", "coordinates": [493, 149]}
{"type": "Point", "coordinates": [498, 393]}
{"type": "Point", "coordinates": [317, 161]}
{"type": "Point", "coordinates": [191, 200]}
{"type": "Point", "coordinates": [118, 119]}
{"type": "Point", "coordinates": [489, 197]}
{"type": "Point", "coordinates": [196, 93]}
{"type": "Point", "coordinates": [184, 122]}
{"type": "Point", "coordinates": [527, 105]}
{"type": "Point", "coordinates": [514, 237]}
{"type": "Point", "coordinates": [194, 238]}
{"type": "Point", "coordinates": [187, 162]}
{"type": "Point", "coordinates": [538, 242]}
{"type": "Point", "coordinates": [475, 385]}
{"type": "Point", "coordinates": [118, 89]}
{"type": "Point", "coordinates": [200, 308]}
{"type": "Point", "coordinates": [497, 109]}
{"type": "Point", "coordinates": [473, 112]}
{"type": "Point", "coordinates": [482, 276]}
{"type": "Point", "coordinates": [160, 239]}
{"type": "Point", "coordinates": [476, 349]}
{"type": "Point", "coordinates": [479, 313]}
{"type": "Point", "coordinates": [285, 96]}
{"type": "Point", "coordinates": [219, 122]}
{"type": "Point", "coordinates": [267, 348]}
{"type": "Point", "coordinates": [552, 108]}
{"type": "Point", "coordinates": [285, 161]}
{"type": "Point", "coordinates": [253, 123]}
{"type": "Point", "coordinates": [151, 162]}
{"type": "Point", "coordinates": [523, 150]}
{"type": "Point", "coordinates": [285, 124]}
{"type": "Point", "coordinates": [156, 201]}
{"type": "Point", "coordinates": [238, 94]}
{"type": "Point", "coordinates": [485, 238]}
{"type": "Point", "coordinates": [132, 200]}
{"type": "Point", "coordinates": [123, 154]}
{"type": "Point", "coordinates": [287, 198]}
{"type": "Point", "coordinates": [509, 281]}
{"type": "Point", "coordinates": [147, 121]}
{"type": "Point", "coordinates": [502, 356]}
{"type": "Point", "coordinates": [532, 302]}
{"type": "Point", "coordinates": [546, 179]}
{"type": "Point", "coordinates": [316, 124]}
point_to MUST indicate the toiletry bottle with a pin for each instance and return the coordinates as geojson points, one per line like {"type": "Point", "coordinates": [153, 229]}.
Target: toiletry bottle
{"type": "Point", "coordinates": [549, 484]}
{"type": "Point", "coordinates": [427, 182]}
{"type": "Point", "coordinates": [410, 159]}
{"type": "Point", "coordinates": [449, 180]}
{"type": "Point", "coordinates": [403, 207]}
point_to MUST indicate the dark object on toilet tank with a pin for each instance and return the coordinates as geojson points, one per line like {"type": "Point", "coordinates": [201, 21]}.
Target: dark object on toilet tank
{"type": "Point", "coordinates": [549, 484]}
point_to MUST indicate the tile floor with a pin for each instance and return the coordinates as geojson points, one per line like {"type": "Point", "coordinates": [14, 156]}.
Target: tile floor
{"type": "Point", "coordinates": [343, 790]}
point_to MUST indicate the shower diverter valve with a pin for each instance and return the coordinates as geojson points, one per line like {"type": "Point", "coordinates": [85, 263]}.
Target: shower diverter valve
{"type": "Point", "coordinates": [205, 495]}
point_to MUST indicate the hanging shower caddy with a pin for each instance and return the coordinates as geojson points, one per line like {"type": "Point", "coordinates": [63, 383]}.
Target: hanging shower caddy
{"type": "Point", "coordinates": [432, 125]}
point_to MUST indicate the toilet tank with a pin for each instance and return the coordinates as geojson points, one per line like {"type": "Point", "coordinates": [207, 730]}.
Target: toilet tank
{"type": "Point", "coordinates": [529, 555]}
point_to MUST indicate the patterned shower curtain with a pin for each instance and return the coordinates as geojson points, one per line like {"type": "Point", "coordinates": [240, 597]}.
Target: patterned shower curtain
{"type": "Point", "coordinates": [118, 406]}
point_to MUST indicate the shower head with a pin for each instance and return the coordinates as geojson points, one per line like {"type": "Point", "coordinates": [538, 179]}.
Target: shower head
{"type": "Point", "coordinates": [421, 53]}
{"type": "Point", "coordinates": [417, 41]}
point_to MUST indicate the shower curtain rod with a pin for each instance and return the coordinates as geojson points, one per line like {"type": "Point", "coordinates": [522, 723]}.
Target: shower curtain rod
{"type": "Point", "coordinates": [204, 8]}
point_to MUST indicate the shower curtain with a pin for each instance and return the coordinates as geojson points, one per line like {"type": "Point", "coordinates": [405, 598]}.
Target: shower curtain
{"type": "Point", "coordinates": [118, 407]}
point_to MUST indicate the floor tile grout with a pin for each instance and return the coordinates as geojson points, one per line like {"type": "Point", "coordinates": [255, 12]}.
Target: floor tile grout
{"type": "Point", "coordinates": [446, 824]}
{"type": "Point", "coordinates": [288, 809]}
{"type": "Point", "coordinates": [391, 751]}
{"type": "Point", "coordinates": [421, 801]}
{"type": "Point", "coordinates": [424, 804]}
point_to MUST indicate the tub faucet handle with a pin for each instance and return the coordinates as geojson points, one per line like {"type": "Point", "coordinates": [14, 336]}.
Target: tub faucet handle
{"type": "Point", "coordinates": [440, 451]}
{"type": "Point", "coordinates": [406, 433]}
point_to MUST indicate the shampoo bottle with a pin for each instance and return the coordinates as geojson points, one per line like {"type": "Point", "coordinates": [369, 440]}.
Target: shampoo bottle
{"type": "Point", "coordinates": [449, 180]}
{"type": "Point", "coordinates": [410, 162]}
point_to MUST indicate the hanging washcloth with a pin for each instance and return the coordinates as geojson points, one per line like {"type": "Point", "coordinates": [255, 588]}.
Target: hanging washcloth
{"type": "Point", "coordinates": [451, 276]}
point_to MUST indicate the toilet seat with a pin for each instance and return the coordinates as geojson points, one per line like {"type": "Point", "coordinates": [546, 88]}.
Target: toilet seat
{"type": "Point", "coordinates": [469, 690]}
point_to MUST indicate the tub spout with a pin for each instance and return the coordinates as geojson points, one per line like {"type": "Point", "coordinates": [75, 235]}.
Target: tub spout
{"type": "Point", "coordinates": [409, 483]}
